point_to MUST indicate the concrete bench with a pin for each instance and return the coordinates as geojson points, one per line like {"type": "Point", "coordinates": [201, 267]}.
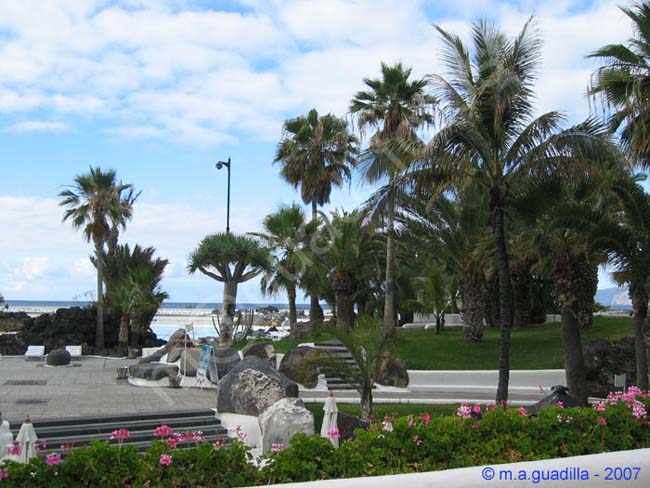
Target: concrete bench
{"type": "Point", "coordinates": [35, 352]}
{"type": "Point", "coordinates": [75, 351]}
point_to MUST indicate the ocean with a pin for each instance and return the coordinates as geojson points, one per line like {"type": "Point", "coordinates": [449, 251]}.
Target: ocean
{"type": "Point", "coordinates": [169, 305]}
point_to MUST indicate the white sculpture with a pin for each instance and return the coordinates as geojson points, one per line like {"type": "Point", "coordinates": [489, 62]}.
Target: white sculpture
{"type": "Point", "coordinates": [6, 438]}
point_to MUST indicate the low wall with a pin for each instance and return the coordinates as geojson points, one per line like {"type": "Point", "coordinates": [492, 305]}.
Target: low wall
{"type": "Point", "coordinates": [484, 381]}
{"type": "Point", "coordinates": [621, 468]}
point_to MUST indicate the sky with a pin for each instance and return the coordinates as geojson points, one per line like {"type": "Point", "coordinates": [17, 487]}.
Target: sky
{"type": "Point", "coordinates": [160, 90]}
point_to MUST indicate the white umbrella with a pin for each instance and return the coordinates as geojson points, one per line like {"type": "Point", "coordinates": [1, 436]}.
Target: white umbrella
{"type": "Point", "coordinates": [6, 438]}
{"type": "Point", "coordinates": [26, 438]}
{"type": "Point", "coordinates": [330, 429]}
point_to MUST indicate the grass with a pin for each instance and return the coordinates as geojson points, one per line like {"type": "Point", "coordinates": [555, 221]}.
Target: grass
{"type": "Point", "coordinates": [534, 347]}
{"type": "Point", "coordinates": [383, 409]}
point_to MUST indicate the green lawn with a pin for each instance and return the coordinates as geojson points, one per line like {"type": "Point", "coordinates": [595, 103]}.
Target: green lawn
{"type": "Point", "coordinates": [383, 409]}
{"type": "Point", "coordinates": [535, 347]}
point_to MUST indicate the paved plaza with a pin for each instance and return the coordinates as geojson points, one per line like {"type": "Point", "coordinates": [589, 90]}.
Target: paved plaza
{"type": "Point", "coordinates": [88, 388]}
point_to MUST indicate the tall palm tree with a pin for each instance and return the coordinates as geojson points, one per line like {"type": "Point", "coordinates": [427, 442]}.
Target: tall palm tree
{"type": "Point", "coordinates": [623, 84]}
{"type": "Point", "coordinates": [126, 197]}
{"type": "Point", "coordinates": [317, 153]}
{"type": "Point", "coordinates": [133, 291]}
{"type": "Point", "coordinates": [93, 203]}
{"type": "Point", "coordinates": [396, 107]}
{"type": "Point", "coordinates": [491, 138]}
{"type": "Point", "coordinates": [229, 259]}
{"type": "Point", "coordinates": [286, 233]}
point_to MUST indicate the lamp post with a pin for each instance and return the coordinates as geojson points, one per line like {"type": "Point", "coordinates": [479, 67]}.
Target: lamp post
{"type": "Point", "coordinates": [220, 165]}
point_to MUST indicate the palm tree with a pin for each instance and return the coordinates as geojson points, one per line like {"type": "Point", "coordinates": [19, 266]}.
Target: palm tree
{"type": "Point", "coordinates": [229, 259]}
{"type": "Point", "coordinates": [346, 256]}
{"type": "Point", "coordinates": [317, 154]}
{"type": "Point", "coordinates": [133, 288]}
{"type": "Point", "coordinates": [126, 198]}
{"type": "Point", "coordinates": [432, 294]}
{"type": "Point", "coordinates": [491, 139]}
{"type": "Point", "coordinates": [93, 203]}
{"type": "Point", "coordinates": [623, 84]}
{"type": "Point", "coordinates": [396, 107]}
{"type": "Point", "coordinates": [287, 234]}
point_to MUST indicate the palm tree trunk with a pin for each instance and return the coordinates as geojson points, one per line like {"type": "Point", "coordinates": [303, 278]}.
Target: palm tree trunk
{"type": "Point", "coordinates": [640, 308]}
{"type": "Point", "coordinates": [586, 293]}
{"type": "Point", "coordinates": [123, 338]}
{"type": "Point", "coordinates": [99, 333]}
{"type": "Point", "coordinates": [389, 298]}
{"type": "Point", "coordinates": [315, 310]}
{"type": "Point", "coordinates": [293, 314]}
{"type": "Point", "coordinates": [366, 404]}
{"type": "Point", "coordinates": [228, 313]}
{"type": "Point", "coordinates": [135, 330]}
{"type": "Point", "coordinates": [342, 290]}
{"type": "Point", "coordinates": [505, 305]}
{"type": "Point", "coordinates": [521, 290]}
{"type": "Point", "coordinates": [473, 308]}
{"type": "Point", "coordinates": [574, 363]}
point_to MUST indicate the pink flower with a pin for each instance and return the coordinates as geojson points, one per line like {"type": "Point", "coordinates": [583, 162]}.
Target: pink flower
{"type": "Point", "coordinates": [490, 406]}
{"type": "Point", "coordinates": [560, 404]}
{"type": "Point", "coordinates": [163, 431]}
{"type": "Point", "coordinates": [333, 433]}
{"type": "Point", "coordinates": [638, 409]}
{"type": "Point", "coordinates": [417, 440]}
{"type": "Point", "coordinates": [197, 436]}
{"type": "Point", "coordinates": [465, 411]}
{"type": "Point", "coordinates": [217, 445]}
{"type": "Point", "coordinates": [14, 450]}
{"type": "Point", "coordinates": [40, 445]}
{"type": "Point", "coordinates": [4, 473]}
{"type": "Point", "coordinates": [277, 447]}
{"type": "Point", "coordinates": [240, 433]}
{"type": "Point", "coordinates": [425, 418]}
{"type": "Point", "coordinates": [600, 406]}
{"type": "Point", "coordinates": [477, 408]}
{"type": "Point", "coordinates": [166, 460]}
{"type": "Point", "coordinates": [171, 442]}
{"type": "Point", "coordinates": [66, 447]}
{"type": "Point", "coordinates": [522, 411]}
{"type": "Point", "coordinates": [602, 421]}
{"type": "Point", "coordinates": [53, 459]}
{"type": "Point", "coordinates": [120, 435]}
{"type": "Point", "coordinates": [410, 420]}
{"type": "Point", "coordinates": [179, 437]}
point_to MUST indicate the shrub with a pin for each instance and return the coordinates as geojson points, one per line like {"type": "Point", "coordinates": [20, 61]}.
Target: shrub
{"type": "Point", "coordinates": [400, 445]}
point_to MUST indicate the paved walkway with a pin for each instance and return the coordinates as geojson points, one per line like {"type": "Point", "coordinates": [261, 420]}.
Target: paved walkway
{"type": "Point", "coordinates": [88, 388]}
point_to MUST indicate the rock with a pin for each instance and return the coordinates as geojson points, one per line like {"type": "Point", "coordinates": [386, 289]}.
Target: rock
{"type": "Point", "coordinates": [348, 423]}
{"type": "Point", "coordinates": [603, 359]}
{"type": "Point", "coordinates": [190, 360]}
{"type": "Point", "coordinates": [178, 339]}
{"type": "Point", "coordinates": [392, 371]}
{"type": "Point", "coordinates": [153, 358]}
{"type": "Point", "coordinates": [282, 420]}
{"type": "Point", "coordinates": [559, 394]}
{"type": "Point", "coordinates": [153, 371]}
{"type": "Point", "coordinates": [58, 357]}
{"type": "Point", "coordinates": [174, 354]}
{"type": "Point", "coordinates": [295, 365]}
{"type": "Point", "coordinates": [268, 309]}
{"type": "Point", "coordinates": [225, 358]}
{"type": "Point", "coordinates": [12, 345]}
{"type": "Point", "coordinates": [262, 351]}
{"type": "Point", "coordinates": [251, 387]}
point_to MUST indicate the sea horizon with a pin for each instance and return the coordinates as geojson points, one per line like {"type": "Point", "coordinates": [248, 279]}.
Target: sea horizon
{"type": "Point", "coordinates": [168, 305]}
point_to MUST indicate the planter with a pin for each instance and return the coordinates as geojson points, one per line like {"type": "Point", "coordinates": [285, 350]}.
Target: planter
{"type": "Point", "coordinates": [122, 372]}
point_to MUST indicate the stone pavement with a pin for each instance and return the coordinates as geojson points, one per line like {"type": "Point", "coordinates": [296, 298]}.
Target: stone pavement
{"type": "Point", "coordinates": [88, 388]}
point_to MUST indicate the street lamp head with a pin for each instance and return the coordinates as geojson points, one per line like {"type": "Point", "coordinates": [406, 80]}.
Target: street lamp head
{"type": "Point", "coordinates": [219, 165]}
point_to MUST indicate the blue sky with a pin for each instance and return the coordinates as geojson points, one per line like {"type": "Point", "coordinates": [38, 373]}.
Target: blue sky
{"type": "Point", "coordinates": [161, 90]}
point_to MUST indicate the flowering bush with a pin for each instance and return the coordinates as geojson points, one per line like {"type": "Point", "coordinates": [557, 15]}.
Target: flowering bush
{"type": "Point", "coordinates": [411, 444]}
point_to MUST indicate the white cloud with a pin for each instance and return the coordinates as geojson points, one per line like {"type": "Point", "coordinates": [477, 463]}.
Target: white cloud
{"type": "Point", "coordinates": [38, 126]}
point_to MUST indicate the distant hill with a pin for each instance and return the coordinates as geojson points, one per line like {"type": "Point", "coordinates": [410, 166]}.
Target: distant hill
{"type": "Point", "coordinates": [616, 298]}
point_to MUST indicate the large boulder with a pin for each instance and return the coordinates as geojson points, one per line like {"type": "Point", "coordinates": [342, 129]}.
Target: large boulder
{"type": "Point", "coordinates": [174, 354]}
{"type": "Point", "coordinates": [261, 350]}
{"type": "Point", "coordinates": [251, 387]}
{"type": "Point", "coordinates": [12, 345]}
{"type": "Point", "coordinates": [282, 420]}
{"type": "Point", "coordinates": [348, 423]}
{"type": "Point", "coordinates": [297, 365]}
{"type": "Point", "coordinates": [225, 359]}
{"type": "Point", "coordinates": [155, 357]}
{"type": "Point", "coordinates": [58, 357]}
{"type": "Point", "coordinates": [392, 371]}
{"type": "Point", "coordinates": [603, 359]}
{"type": "Point", "coordinates": [190, 360]}
{"type": "Point", "coordinates": [153, 371]}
